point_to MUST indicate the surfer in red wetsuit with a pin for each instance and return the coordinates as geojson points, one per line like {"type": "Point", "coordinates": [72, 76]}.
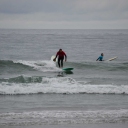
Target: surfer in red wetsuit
{"type": "Point", "coordinates": [60, 54]}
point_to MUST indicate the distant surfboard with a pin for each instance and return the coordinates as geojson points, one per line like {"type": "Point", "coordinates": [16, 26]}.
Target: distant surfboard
{"type": "Point", "coordinates": [112, 58]}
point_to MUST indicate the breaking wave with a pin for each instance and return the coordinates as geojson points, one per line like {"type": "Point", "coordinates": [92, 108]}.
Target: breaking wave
{"type": "Point", "coordinates": [58, 85]}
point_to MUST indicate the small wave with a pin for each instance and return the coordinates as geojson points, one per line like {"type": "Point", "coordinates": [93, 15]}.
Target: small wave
{"type": "Point", "coordinates": [109, 66]}
{"type": "Point", "coordinates": [10, 67]}
{"type": "Point", "coordinates": [50, 66]}
{"type": "Point", "coordinates": [44, 66]}
{"type": "Point", "coordinates": [4, 63]}
{"type": "Point", "coordinates": [54, 117]}
{"type": "Point", "coordinates": [63, 85]}
{"type": "Point", "coordinates": [22, 65]}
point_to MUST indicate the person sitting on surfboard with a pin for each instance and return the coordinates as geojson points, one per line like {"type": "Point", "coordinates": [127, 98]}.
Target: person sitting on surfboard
{"type": "Point", "coordinates": [60, 54]}
{"type": "Point", "coordinates": [100, 58]}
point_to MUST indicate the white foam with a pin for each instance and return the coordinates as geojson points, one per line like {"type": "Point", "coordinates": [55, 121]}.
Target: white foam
{"type": "Point", "coordinates": [44, 66]}
{"type": "Point", "coordinates": [64, 117]}
{"type": "Point", "coordinates": [64, 85]}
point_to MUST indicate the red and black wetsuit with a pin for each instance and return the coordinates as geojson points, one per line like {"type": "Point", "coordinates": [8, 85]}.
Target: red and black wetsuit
{"type": "Point", "coordinates": [61, 55]}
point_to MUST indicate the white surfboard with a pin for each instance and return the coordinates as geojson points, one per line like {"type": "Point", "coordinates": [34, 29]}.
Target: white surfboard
{"type": "Point", "coordinates": [112, 58]}
{"type": "Point", "coordinates": [52, 57]}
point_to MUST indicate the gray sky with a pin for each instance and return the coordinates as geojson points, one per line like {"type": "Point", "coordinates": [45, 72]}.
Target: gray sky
{"type": "Point", "coordinates": [64, 14]}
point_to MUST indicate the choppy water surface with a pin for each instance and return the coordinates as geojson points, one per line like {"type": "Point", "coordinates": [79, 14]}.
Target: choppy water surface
{"type": "Point", "coordinates": [94, 92]}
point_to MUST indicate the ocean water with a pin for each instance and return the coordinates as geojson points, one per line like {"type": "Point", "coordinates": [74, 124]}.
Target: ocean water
{"type": "Point", "coordinates": [32, 93]}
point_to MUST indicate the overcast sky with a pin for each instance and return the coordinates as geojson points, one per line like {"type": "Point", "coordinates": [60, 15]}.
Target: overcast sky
{"type": "Point", "coordinates": [64, 14]}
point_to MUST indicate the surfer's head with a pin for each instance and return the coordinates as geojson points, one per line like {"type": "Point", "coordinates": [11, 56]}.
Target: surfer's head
{"type": "Point", "coordinates": [102, 54]}
{"type": "Point", "coordinates": [60, 50]}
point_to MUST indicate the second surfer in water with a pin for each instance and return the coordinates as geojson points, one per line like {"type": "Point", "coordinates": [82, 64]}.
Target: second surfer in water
{"type": "Point", "coordinates": [60, 54]}
{"type": "Point", "coordinates": [100, 58]}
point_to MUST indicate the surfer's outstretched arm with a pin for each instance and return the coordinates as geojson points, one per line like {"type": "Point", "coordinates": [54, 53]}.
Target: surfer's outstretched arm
{"type": "Point", "coordinates": [97, 59]}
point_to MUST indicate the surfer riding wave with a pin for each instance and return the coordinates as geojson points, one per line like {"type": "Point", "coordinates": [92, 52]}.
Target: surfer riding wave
{"type": "Point", "coordinates": [60, 54]}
